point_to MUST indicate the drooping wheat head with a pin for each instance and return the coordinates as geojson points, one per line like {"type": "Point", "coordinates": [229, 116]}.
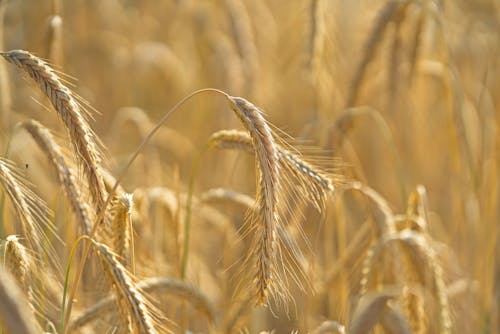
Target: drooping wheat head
{"type": "Point", "coordinates": [52, 150]}
{"type": "Point", "coordinates": [133, 307]}
{"type": "Point", "coordinates": [120, 230]}
{"type": "Point", "coordinates": [73, 115]}
{"type": "Point", "coordinates": [31, 210]}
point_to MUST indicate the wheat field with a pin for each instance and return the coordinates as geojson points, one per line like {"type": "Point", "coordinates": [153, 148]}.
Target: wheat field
{"type": "Point", "coordinates": [249, 166]}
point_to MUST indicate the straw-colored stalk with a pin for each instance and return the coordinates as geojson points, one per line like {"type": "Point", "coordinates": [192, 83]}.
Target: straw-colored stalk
{"type": "Point", "coordinates": [5, 91]}
{"type": "Point", "coordinates": [241, 28]}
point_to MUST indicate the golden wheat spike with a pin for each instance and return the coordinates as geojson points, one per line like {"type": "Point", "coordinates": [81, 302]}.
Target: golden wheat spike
{"type": "Point", "coordinates": [52, 150]}
{"type": "Point", "coordinates": [72, 114]}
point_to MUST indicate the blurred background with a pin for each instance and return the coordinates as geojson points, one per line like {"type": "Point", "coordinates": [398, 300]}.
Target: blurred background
{"type": "Point", "coordinates": [405, 93]}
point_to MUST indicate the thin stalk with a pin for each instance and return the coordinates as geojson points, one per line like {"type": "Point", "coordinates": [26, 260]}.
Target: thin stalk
{"type": "Point", "coordinates": [187, 219]}
{"type": "Point", "coordinates": [66, 279]}
{"type": "Point", "coordinates": [2, 199]}
{"type": "Point", "coordinates": [100, 217]}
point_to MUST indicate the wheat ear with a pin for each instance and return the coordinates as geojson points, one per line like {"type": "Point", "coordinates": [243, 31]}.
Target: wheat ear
{"type": "Point", "coordinates": [267, 194]}
{"type": "Point", "coordinates": [309, 179]}
{"type": "Point", "coordinates": [30, 209]}
{"type": "Point", "coordinates": [130, 301]}
{"type": "Point", "coordinates": [20, 265]}
{"type": "Point", "coordinates": [52, 150]}
{"type": "Point", "coordinates": [121, 228]}
{"type": "Point", "coordinates": [14, 312]}
{"type": "Point", "coordinates": [152, 285]}
{"type": "Point", "coordinates": [17, 260]}
{"type": "Point", "coordinates": [71, 113]}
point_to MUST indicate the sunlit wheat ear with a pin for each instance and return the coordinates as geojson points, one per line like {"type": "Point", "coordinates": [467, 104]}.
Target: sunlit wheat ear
{"type": "Point", "coordinates": [17, 260]}
{"type": "Point", "coordinates": [121, 227]}
{"type": "Point", "coordinates": [424, 255]}
{"type": "Point", "coordinates": [52, 150]}
{"type": "Point", "coordinates": [133, 307]}
{"type": "Point", "coordinates": [423, 258]}
{"type": "Point", "coordinates": [14, 312]}
{"type": "Point", "coordinates": [20, 265]}
{"type": "Point", "coordinates": [109, 182]}
{"type": "Point", "coordinates": [71, 112]}
{"type": "Point", "coordinates": [306, 180]}
{"type": "Point", "coordinates": [169, 286]}
{"type": "Point", "coordinates": [216, 195]}
{"type": "Point", "coordinates": [264, 223]}
{"type": "Point", "coordinates": [31, 210]}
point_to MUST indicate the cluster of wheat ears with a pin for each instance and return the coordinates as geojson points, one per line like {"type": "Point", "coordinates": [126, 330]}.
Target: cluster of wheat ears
{"type": "Point", "coordinates": [115, 223]}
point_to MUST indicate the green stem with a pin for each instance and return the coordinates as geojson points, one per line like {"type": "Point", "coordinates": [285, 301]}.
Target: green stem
{"type": "Point", "coordinates": [66, 279]}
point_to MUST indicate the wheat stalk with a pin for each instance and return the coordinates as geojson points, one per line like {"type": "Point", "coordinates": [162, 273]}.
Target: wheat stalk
{"type": "Point", "coordinates": [241, 29]}
{"type": "Point", "coordinates": [315, 40]}
{"type": "Point", "coordinates": [17, 260]}
{"type": "Point", "coordinates": [5, 89]}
